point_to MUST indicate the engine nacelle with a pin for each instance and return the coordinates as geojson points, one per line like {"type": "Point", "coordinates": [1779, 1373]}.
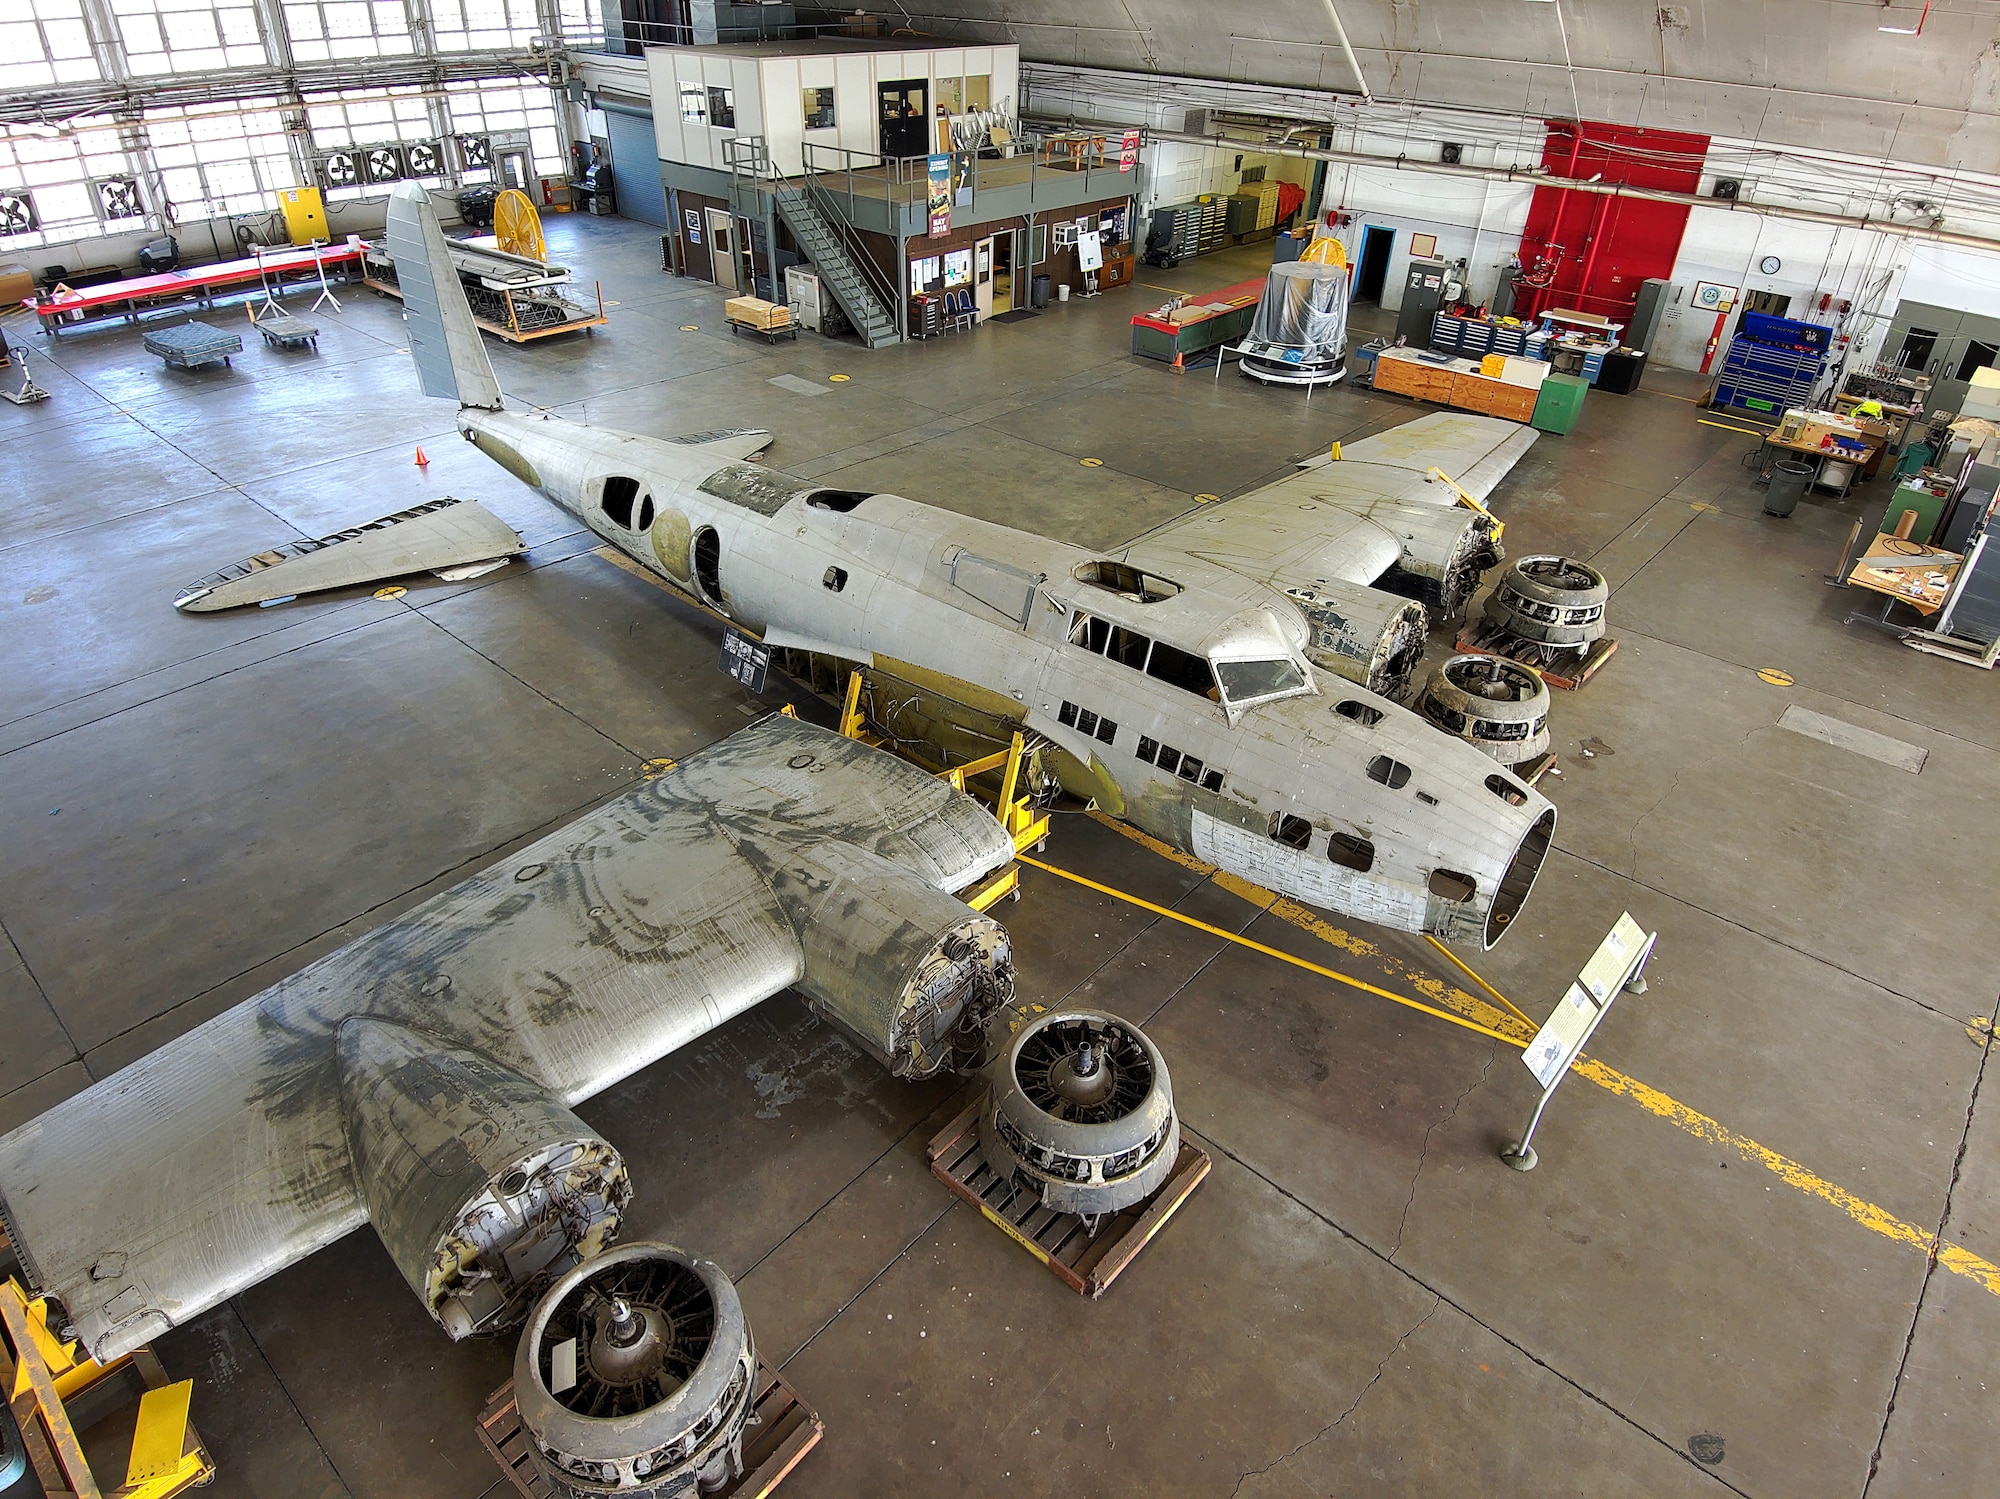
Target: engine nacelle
{"type": "Point", "coordinates": [1369, 637]}
{"type": "Point", "coordinates": [908, 971]}
{"type": "Point", "coordinates": [482, 1186]}
{"type": "Point", "coordinates": [1445, 549]}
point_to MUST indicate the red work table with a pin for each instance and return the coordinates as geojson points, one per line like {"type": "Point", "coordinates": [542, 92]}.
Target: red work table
{"type": "Point", "coordinates": [127, 299]}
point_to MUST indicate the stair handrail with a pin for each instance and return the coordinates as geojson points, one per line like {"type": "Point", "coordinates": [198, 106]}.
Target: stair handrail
{"type": "Point", "coordinates": [871, 274]}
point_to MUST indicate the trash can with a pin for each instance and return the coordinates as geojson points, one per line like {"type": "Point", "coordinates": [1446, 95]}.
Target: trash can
{"type": "Point", "coordinates": [1788, 481]}
{"type": "Point", "coordinates": [1039, 291]}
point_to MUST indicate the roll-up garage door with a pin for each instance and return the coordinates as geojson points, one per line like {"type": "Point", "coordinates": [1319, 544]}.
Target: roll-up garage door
{"type": "Point", "coordinates": [635, 166]}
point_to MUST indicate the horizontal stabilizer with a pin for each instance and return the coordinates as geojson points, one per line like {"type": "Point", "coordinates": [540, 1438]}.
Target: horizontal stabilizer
{"type": "Point", "coordinates": [443, 536]}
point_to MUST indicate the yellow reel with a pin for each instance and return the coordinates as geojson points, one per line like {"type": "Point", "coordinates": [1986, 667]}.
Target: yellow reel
{"type": "Point", "coordinates": [517, 228]}
{"type": "Point", "coordinates": [1326, 250]}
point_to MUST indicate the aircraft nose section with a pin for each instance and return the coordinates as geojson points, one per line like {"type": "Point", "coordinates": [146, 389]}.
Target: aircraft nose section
{"type": "Point", "coordinates": [1519, 878]}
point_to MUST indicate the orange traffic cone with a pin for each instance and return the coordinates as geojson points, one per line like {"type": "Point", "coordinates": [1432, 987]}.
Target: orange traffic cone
{"type": "Point", "coordinates": [422, 461]}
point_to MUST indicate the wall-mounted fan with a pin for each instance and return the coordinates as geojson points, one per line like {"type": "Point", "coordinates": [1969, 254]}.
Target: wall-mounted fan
{"type": "Point", "coordinates": [17, 214]}
{"type": "Point", "coordinates": [425, 159]}
{"type": "Point", "coordinates": [118, 198]}
{"type": "Point", "coordinates": [475, 152]}
{"type": "Point", "coordinates": [340, 168]}
{"type": "Point", "coordinates": [385, 164]}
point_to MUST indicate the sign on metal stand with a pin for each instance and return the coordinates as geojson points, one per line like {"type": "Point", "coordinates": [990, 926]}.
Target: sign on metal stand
{"type": "Point", "coordinates": [745, 660]}
{"type": "Point", "coordinates": [1619, 964]}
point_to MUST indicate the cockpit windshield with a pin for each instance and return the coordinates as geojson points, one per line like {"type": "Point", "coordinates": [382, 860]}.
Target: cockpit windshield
{"type": "Point", "coordinates": [1251, 681]}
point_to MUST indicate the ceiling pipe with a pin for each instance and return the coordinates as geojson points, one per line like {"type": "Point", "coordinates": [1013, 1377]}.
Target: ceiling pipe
{"type": "Point", "coordinates": [1347, 51]}
{"type": "Point", "coordinates": [1603, 189]}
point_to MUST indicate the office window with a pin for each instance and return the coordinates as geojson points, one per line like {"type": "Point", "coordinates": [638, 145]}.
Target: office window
{"type": "Point", "coordinates": [979, 91]}
{"type": "Point", "coordinates": [1918, 344]}
{"type": "Point", "coordinates": [694, 104]}
{"type": "Point", "coordinates": [818, 104]}
{"type": "Point", "coordinates": [42, 42]}
{"type": "Point", "coordinates": [1978, 356]}
{"type": "Point", "coordinates": [722, 108]}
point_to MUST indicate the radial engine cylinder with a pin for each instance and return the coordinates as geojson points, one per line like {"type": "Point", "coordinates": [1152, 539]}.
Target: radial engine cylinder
{"type": "Point", "coordinates": [635, 1377]}
{"type": "Point", "coordinates": [910, 972]}
{"type": "Point", "coordinates": [482, 1187]}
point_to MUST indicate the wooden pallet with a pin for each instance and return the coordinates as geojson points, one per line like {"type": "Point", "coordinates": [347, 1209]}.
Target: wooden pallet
{"type": "Point", "coordinates": [1558, 667]}
{"type": "Point", "coordinates": [782, 1430]}
{"type": "Point", "coordinates": [1085, 1263]}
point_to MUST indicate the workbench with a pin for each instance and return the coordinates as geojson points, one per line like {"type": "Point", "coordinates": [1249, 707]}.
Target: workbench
{"type": "Point", "coordinates": [1203, 323]}
{"type": "Point", "coordinates": [1924, 587]}
{"type": "Point", "coordinates": [1856, 462]}
{"type": "Point", "coordinates": [188, 346]}
{"type": "Point", "coordinates": [73, 308]}
{"type": "Point", "coordinates": [1453, 382]}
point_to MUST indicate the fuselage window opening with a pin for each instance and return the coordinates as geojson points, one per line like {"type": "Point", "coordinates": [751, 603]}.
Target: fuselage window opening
{"type": "Point", "coordinates": [1449, 884]}
{"type": "Point", "coordinates": [1084, 721]}
{"type": "Point", "coordinates": [619, 493]}
{"type": "Point", "coordinates": [645, 514]}
{"type": "Point", "coordinates": [1128, 648]}
{"type": "Point", "coordinates": [834, 579]}
{"type": "Point", "coordinates": [1179, 668]}
{"type": "Point", "coordinates": [1391, 773]}
{"type": "Point", "coordinates": [1509, 793]}
{"type": "Point", "coordinates": [1360, 713]}
{"type": "Point", "coordinates": [840, 500]}
{"type": "Point", "coordinates": [1122, 578]}
{"type": "Point", "coordinates": [1293, 832]}
{"type": "Point", "coordinates": [1171, 760]}
{"type": "Point", "coordinates": [1351, 852]}
{"type": "Point", "coordinates": [1157, 659]}
{"type": "Point", "coordinates": [707, 559]}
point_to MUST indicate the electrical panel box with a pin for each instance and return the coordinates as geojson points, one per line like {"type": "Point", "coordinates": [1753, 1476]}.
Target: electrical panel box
{"type": "Point", "coordinates": [305, 215]}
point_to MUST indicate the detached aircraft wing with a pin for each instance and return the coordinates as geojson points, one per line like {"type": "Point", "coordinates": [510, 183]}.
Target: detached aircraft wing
{"type": "Point", "coordinates": [783, 855]}
{"type": "Point", "coordinates": [1354, 541]}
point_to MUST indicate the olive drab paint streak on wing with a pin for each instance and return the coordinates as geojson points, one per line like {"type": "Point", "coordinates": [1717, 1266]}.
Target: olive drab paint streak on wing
{"type": "Point", "coordinates": [225, 1155]}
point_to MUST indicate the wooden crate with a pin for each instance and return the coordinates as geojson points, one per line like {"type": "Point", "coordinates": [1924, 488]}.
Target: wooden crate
{"type": "Point", "coordinates": [782, 1430]}
{"type": "Point", "coordinates": [1566, 669]}
{"type": "Point", "coordinates": [1085, 1263]}
{"type": "Point", "coordinates": [755, 312]}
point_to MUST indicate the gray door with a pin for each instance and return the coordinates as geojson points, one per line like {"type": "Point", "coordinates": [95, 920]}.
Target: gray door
{"type": "Point", "coordinates": [635, 167]}
{"type": "Point", "coordinates": [1945, 344]}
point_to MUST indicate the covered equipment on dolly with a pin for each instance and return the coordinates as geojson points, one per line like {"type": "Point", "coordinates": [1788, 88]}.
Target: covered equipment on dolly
{"type": "Point", "coordinates": [1299, 336]}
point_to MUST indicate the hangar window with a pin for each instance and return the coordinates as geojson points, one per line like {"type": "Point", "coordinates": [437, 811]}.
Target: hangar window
{"type": "Point", "coordinates": [1360, 713]}
{"type": "Point", "coordinates": [1449, 884]}
{"type": "Point", "coordinates": [1509, 793]}
{"type": "Point", "coordinates": [619, 493]}
{"type": "Point", "coordinates": [1391, 773]}
{"type": "Point", "coordinates": [1351, 852]}
{"type": "Point", "coordinates": [1293, 832]}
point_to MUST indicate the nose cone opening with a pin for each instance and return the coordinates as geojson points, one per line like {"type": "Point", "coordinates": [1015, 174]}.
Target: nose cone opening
{"type": "Point", "coordinates": [1520, 876]}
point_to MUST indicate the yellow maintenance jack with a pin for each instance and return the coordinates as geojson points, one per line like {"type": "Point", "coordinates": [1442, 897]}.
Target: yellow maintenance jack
{"type": "Point", "coordinates": [1028, 828]}
{"type": "Point", "coordinates": [56, 1391]}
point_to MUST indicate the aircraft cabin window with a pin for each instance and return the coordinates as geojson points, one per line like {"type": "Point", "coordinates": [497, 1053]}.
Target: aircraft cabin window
{"type": "Point", "coordinates": [1171, 760]}
{"type": "Point", "coordinates": [834, 579]}
{"type": "Point", "coordinates": [1293, 832]}
{"type": "Point", "coordinates": [1361, 713]}
{"type": "Point", "coordinates": [1119, 577]}
{"type": "Point", "coordinates": [1509, 793]}
{"type": "Point", "coordinates": [842, 500]}
{"type": "Point", "coordinates": [1179, 668]}
{"type": "Point", "coordinates": [1449, 884]}
{"type": "Point", "coordinates": [645, 514]}
{"type": "Point", "coordinates": [1128, 648]}
{"type": "Point", "coordinates": [619, 493]}
{"type": "Point", "coordinates": [1246, 681]}
{"type": "Point", "coordinates": [1391, 773]}
{"type": "Point", "coordinates": [1351, 852]}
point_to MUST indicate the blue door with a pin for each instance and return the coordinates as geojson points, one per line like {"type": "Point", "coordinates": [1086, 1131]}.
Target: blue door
{"type": "Point", "coordinates": [635, 167]}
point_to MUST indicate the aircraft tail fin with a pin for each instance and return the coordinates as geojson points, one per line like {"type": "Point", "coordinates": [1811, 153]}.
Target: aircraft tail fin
{"type": "Point", "coordinates": [451, 361]}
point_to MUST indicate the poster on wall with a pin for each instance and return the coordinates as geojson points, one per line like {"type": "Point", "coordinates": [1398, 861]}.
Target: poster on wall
{"type": "Point", "coordinates": [1128, 151]}
{"type": "Point", "coordinates": [1089, 252]}
{"type": "Point", "coordinates": [957, 267]}
{"type": "Point", "coordinates": [1423, 246]}
{"type": "Point", "coordinates": [694, 226]}
{"type": "Point", "coordinates": [940, 195]}
{"type": "Point", "coordinates": [924, 274]}
{"type": "Point", "coordinates": [1712, 296]}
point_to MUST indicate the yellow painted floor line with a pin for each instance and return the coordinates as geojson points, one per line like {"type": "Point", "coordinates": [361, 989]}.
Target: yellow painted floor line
{"type": "Point", "coordinates": [1477, 1014]}
{"type": "Point", "coordinates": [1702, 421]}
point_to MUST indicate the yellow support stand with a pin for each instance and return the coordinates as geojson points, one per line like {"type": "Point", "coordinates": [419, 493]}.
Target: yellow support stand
{"type": "Point", "coordinates": [43, 1374]}
{"type": "Point", "coordinates": [1465, 498]}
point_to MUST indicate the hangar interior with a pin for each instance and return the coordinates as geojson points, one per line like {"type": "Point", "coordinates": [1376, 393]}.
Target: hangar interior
{"type": "Point", "coordinates": [1712, 285]}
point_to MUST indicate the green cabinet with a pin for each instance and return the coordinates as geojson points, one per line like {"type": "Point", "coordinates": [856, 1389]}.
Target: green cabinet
{"type": "Point", "coordinates": [1560, 404]}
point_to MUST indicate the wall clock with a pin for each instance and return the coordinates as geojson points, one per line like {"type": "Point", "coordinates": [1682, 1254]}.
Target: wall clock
{"type": "Point", "coordinates": [1770, 265]}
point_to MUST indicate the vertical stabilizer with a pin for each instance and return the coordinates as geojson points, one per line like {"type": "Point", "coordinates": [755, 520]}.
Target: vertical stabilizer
{"type": "Point", "coordinates": [451, 361]}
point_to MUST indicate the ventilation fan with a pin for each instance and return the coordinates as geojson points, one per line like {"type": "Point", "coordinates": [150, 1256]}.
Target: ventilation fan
{"type": "Point", "coordinates": [475, 151]}
{"type": "Point", "coordinates": [340, 169]}
{"type": "Point", "coordinates": [386, 164]}
{"type": "Point", "coordinates": [17, 214]}
{"type": "Point", "coordinates": [1727, 187]}
{"type": "Point", "coordinates": [425, 159]}
{"type": "Point", "coordinates": [118, 198]}
{"type": "Point", "coordinates": [1452, 153]}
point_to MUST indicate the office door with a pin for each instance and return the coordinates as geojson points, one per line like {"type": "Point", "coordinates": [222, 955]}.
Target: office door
{"type": "Point", "coordinates": [722, 249]}
{"type": "Point", "coordinates": [1371, 266]}
{"type": "Point", "coordinates": [982, 279]}
{"type": "Point", "coordinates": [513, 170]}
{"type": "Point", "coordinates": [904, 112]}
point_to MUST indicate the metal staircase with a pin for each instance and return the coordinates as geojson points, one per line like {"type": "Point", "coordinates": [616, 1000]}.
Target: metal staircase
{"type": "Point", "coordinates": [844, 266]}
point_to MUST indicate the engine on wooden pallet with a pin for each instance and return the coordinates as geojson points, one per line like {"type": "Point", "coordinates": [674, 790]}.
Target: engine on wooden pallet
{"type": "Point", "coordinates": [1554, 601]}
{"type": "Point", "coordinates": [1082, 1109]}
{"type": "Point", "coordinates": [1493, 704]}
{"type": "Point", "coordinates": [635, 1377]}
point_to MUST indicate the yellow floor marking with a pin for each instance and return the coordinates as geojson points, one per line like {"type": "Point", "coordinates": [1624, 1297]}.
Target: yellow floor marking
{"type": "Point", "coordinates": [1702, 507]}
{"type": "Point", "coordinates": [1702, 421]}
{"type": "Point", "coordinates": [654, 769]}
{"type": "Point", "coordinates": [1091, 462]}
{"type": "Point", "coordinates": [1775, 677]}
{"type": "Point", "coordinates": [839, 379]}
{"type": "Point", "coordinates": [393, 591]}
{"type": "Point", "coordinates": [1206, 499]}
{"type": "Point", "coordinates": [1476, 1014]}
{"type": "Point", "coordinates": [690, 327]}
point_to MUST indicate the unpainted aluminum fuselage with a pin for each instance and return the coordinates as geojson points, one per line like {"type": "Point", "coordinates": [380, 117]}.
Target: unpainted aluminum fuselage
{"type": "Point", "coordinates": [1450, 842]}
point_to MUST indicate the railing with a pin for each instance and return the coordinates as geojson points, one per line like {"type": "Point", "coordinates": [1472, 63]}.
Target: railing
{"type": "Point", "coordinates": [633, 37]}
{"type": "Point", "coordinates": [748, 158]}
{"type": "Point", "coordinates": [904, 181]}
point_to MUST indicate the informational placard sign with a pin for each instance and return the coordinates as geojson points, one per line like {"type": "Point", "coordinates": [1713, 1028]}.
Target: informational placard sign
{"type": "Point", "coordinates": [1089, 252]}
{"type": "Point", "coordinates": [940, 195]}
{"type": "Point", "coordinates": [1128, 151]}
{"type": "Point", "coordinates": [744, 660]}
{"type": "Point", "coordinates": [1618, 965]}
{"type": "Point", "coordinates": [693, 217]}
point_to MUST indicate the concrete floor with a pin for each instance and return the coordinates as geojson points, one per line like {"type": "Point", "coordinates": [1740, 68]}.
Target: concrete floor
{"type": "Point", "coordinates": [1361, 1299]}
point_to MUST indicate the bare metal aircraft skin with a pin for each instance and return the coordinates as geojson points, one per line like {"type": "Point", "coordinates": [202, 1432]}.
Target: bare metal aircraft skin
{"type": "Point", "coordinates": [1189, 683]}
{"type": "Point", "coordinates": [422, 1076]}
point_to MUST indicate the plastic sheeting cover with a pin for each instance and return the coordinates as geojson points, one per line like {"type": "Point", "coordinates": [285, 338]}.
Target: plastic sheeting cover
{"type": "Point", "coordinates": [1304, 307]}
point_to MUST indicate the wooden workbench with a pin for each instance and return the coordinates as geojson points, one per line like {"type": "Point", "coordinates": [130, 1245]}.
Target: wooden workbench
{"type": "Point", "coordinates": [1205, 322]}
{"type": "Point", "coordinates": [1454, 382]}
{"type": "Point", "coordinates": [1917, 587]}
